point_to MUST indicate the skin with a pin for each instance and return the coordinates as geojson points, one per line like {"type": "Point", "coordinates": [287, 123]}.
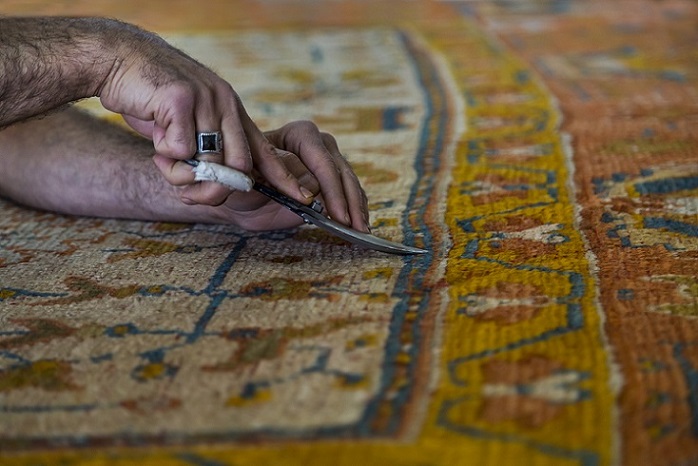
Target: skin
{"type": "Point", "coordinates": [81, 165]}
{"type": "Point", "coordinates": [166, 97]}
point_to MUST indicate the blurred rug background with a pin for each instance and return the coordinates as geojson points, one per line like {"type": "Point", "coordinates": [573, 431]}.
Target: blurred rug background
{"type": "Point", "coordinates": [546, 153]}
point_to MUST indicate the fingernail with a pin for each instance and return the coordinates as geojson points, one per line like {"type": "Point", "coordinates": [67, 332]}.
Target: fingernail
{"type": "Point", "coordinates": [306, 192]}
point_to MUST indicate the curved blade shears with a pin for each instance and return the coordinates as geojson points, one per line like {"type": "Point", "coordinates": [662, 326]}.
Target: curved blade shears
{"type": "Point", "coordinates": [312, 214]}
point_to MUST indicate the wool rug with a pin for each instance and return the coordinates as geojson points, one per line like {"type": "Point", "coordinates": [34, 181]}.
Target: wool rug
{"type": "Point", "coordinates": [545, 153]}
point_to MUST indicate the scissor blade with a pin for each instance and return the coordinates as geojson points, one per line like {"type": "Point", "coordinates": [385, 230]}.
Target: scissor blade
{"type": "Point", "coordinates": [310, 215]}
{"type": "Point", "coordinates": [360, 238]}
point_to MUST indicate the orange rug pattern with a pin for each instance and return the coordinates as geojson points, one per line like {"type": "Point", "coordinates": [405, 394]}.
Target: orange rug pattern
{"type": "Point", "coordinates": [546, 153]}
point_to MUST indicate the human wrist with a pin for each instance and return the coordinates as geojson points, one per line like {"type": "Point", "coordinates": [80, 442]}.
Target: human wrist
{"type": "Point", "coordinates": [49, 62]}
{"type": "Point", "coordinates": [105, 48]}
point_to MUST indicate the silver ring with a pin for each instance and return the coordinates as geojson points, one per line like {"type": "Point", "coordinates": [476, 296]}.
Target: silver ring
{"type": "Point", "coordinates": [209, 142]}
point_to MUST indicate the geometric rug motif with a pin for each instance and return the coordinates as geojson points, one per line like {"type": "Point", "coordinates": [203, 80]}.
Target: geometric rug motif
{"type": "Point", "coordinates": [544, 152]}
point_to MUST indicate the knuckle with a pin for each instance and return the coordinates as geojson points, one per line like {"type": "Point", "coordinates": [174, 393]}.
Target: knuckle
{"type": "Point", "coordinates": [266, 154]}
{"type": "Point", "coordinates": [269, 149]}
{"type": "Point", "coordinates": [223, 91]}
{"type": "Point", "coordinates": [224, 86]}
{"type": "Point", "coordinates": [182, 94]}
{"type": "Point", "coordinates": [307, 126]}
{"type": "Point", "coordinates": [328, 139]}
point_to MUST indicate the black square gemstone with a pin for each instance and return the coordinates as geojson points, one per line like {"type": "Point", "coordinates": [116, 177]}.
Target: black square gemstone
{"type": "Point", "coordinates": [209, 143]}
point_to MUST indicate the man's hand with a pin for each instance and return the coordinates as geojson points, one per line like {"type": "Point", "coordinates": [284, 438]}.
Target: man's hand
{"type": "Point", "coordinates": [169, 97]}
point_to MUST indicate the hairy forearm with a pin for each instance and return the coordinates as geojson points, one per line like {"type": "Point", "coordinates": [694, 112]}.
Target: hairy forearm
{"type": "Point", "coordinates": [48, 62]}
{"type": "Point", "coordinates": [73, 163]}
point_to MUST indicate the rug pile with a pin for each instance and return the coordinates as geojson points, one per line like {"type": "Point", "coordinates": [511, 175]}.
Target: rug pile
{"type": "Point", "coordinates": [545, 153]}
